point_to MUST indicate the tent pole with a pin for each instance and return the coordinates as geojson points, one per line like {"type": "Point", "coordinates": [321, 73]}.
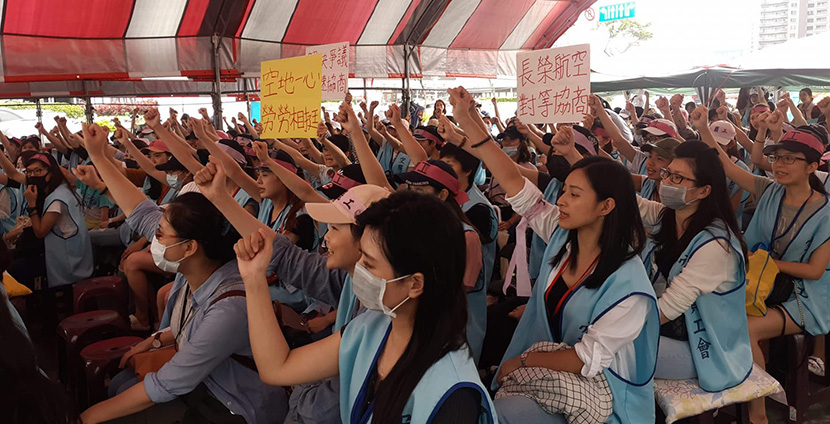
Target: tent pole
{"type": "Point", "coordinates": [88, 111]}
{"type": "Point", "coordinates": [407, 95]}
{"type": "Point", "coordinates": [216, 93]}
{"type": "Point", "coordinates": [247, 97]}
{"type": "Point", "coordinates": [38, 111]}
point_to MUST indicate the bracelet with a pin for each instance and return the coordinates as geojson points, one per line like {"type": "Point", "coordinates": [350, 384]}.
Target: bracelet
{"type": "Point", "coordinates": [481, 143]}
{"type": "Point", "coordinates": [32, 211]}
{"type": "Point", "coordinates": [463, 142]}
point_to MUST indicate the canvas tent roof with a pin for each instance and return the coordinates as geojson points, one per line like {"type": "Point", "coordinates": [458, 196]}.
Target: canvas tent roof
{"type": "Point", "coordinates": [49, 47]}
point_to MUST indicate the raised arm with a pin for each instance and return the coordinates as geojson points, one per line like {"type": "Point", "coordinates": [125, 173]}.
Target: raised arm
{"type": "Point", "coordinates": [412, 148]}
{"type": "Point", "coordinates": [71, 141]}
{"type": "Point", "coordinates": [632, 113]}
{"type": "Point", "coordinates": [232, 168]}
{"type": "Point", "coordinates": [368, 162]}
{"type": "Point", "coordinates": [9, 170]}
{"type": "Point", "coordinates": [503, 168]}
{"type": "Point", "coordinates": [178, 147]}
{"type": "Point", "coordinates": [700, 119]}
{"type": "Point", "coordinates": [294, 183]}
{"type": "Point", "coordinates": [798, 117]}
{"type": "Point", "coordinates": [123, 192]}
{"type": "Point", "coordinates": [56, 141]}
{"type": "Point", "coordinates": [248, 126]}
{"type": "Point", "coordinates": [757, 152]}
{"type": "Point", "coordinates": [277, 363]}
{"type": "Point", "coordinates": [533, 136]}
{"type": "Point", "coordinates": [338, 155]}
{"type": "Point", "coordinates": [499, 122]}
{"type": "Point", "coordinates": [676, 103]}
{"type": "Point", "coordinates": [623, 146]}
{"type": "Point", "coordinates": [211, 182]}
{"type": "Point", "coordinates": [143, 161]}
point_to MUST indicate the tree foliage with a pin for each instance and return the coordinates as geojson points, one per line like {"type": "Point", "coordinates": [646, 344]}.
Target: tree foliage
{"type": "Point", "coordinates": [624, 34]}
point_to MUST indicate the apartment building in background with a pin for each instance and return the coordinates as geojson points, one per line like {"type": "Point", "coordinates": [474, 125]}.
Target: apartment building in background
{"type": "Point", "coordinates": [782, 20]}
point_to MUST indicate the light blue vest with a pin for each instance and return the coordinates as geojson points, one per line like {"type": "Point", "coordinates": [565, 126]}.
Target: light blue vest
{"type": "Point", "coordinates": [814, 294]}
{"type": "Point", "coordinates": [241, 197]}
{"type": "Point", "coordinates": [634, 398]}
{"type": "Point", "coordinates": [734, 189]}
{"type": "Point", "coordinates": [716, 322]}
{"type": "Point", "coordinates": [67, 259]}
{"type": "Point", "coordinates": [648, 188]}
{"type": "Point", "coordinates": [476, 309]}
{"type": "Point", "coordinates": [488, 250]}
{"type": "Point", "coordinates": [16, 204]}
{"type": "Point", "coordinates": [537, 244]}
{"type": "Point", "coordinates": [360, 348]}
{"type": "Point", "coordinates": [390, 163]}
{"type": "Point", "coordinates": [347, 307]}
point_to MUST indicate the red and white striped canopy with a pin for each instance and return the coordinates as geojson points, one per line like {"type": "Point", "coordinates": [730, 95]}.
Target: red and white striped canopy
{"type": "Point", "coordinates": [124, 40]}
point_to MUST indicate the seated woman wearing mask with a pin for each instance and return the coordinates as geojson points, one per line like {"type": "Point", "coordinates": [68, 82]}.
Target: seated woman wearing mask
{"type": "Point", "coordinates": [696, 260]}
{"type": "Point", "coordinates": [210, 371]}
{"type": "Point", "coordinates": [406, 356]}
{"type": "Point", "coordinates": [593, 292]}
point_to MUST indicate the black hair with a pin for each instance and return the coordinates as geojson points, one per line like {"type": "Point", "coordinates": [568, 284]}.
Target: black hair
{"type": "Point", "coordinates": [714, 210]}
{"type": "Point", "coordinates": [623, 235]}
{"type": "Point", "coordinates": [56, 174]}
{"type": "Point", "coordinates": [419, 233]}
{"type": "Point", "coordinates": [292, 199]}
{"type": "Point", "coordinates": [743, 99]}
{"type": "Point", "coordinates": [193, 217]}
{"type": "Point", "coordinates": [807, 90]}
{"type": "Point", "coordinates": [468, 162]}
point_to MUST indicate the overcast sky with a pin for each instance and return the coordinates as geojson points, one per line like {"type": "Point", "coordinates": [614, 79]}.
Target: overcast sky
{"type": "Point", "coordinates": [686, 34]}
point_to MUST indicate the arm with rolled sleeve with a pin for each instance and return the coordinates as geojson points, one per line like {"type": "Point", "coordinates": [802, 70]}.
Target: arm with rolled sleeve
{"type": "Point", "coordinates": [144, 220]}
{"type": "Point", "coordinates": [306, 271]}
{"type": "Point", "coordinates": [650, 211]}
{"type": "Point", "coordinates": [530, 203]}
{"type": "Point", "coordinates": [711, 266]}
{"type": "Point", "coordinates": [222, 331]}
{"type": "Point", "coordinates": [611, 333]}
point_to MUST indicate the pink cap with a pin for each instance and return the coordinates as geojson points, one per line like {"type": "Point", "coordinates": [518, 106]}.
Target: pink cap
{"type": "Point", "coordinates": [347, 207]}
{"type": "Point", "coordinates": [158, 146]}
{"type": "Point", "coordinates": [662, 127]}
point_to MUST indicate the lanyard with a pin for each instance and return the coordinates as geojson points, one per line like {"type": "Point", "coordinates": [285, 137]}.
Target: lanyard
{"type": "Point", "coordinates": [792, 223]}
{"type": "Point", "coordinates": [573, 287]}
{"type": "Point", "coordinates": [185, 317]}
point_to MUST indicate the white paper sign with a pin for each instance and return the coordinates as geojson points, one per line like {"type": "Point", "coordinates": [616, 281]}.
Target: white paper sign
{"type": "Point", "coordinates": [553, 84]}
{"type": "Point", "coordinates": [335, 78]}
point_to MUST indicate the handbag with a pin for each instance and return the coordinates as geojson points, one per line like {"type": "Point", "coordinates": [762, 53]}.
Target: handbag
{"type": "Point", "coordinates": [760, 281]}
{"type": "Point", "coordinates": [152, 360]}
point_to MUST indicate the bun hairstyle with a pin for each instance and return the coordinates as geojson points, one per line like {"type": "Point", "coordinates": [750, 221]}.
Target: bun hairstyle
{"type": "Point", "coordinates": [194, 217]}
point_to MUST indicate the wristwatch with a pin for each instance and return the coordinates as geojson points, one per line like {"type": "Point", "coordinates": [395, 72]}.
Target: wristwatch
{"type": "Point", "coordinates": [157, 340]}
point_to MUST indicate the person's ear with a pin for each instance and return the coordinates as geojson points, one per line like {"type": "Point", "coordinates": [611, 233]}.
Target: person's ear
{"type": "Point", "coordinates": [417, 286]}
{"type": "Point", "coordinates": [190, 248]}
{"type": "Point", "coordinates": [608, 205]}
{"type": "Point", "coordinates": [705, 191]}
{"type": "Point", "coordinates": [443, 194]}
{"type": "Point", "coordinates": [812, 167]}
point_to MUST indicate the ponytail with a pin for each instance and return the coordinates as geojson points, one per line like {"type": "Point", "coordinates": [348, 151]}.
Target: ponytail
{"type": "Point", "coordinates": [816, 184]}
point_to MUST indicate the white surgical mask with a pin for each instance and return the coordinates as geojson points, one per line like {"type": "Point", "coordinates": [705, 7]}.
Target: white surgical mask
{"type": "Point", "coordinates": [157, 250]}
{"type": "Point", "coordinates": [173, 182]}
{"type": "Point", "coordinates": [369, 289]}
{"type": "Point", "coordinates": [673, 197]}
{"type": "Point", "coordinates": [511, 151]}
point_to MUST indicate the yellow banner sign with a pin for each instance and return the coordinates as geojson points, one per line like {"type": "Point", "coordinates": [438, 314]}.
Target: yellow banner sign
{"type": "Point", "coordinates": [291, 93]}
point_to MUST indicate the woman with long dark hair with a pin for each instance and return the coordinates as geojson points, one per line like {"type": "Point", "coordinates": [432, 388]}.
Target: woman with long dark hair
{"type": "Point", "coordinates": [790, 222]}
{"type": "Point", "coordinates": [210, 371]}
{"type": "Point", "coordinates": [696, 261]}
{"type": "Point", "coordinates": [592, 283]}
{"type": "Point", "coordinates": [405, 356]}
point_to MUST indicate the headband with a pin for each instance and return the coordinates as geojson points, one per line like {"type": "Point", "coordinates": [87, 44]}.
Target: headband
{"type": "Point", "coordinates": [442, 177]}
{"type": "Point", "coordinates": [344, 182]}
{"type": "Point", "coordinates": [804, 138]}
{"type": "Point", "coordinates": [427, 135]}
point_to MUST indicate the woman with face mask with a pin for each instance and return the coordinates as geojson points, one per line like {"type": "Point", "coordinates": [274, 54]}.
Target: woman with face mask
{"type": "Point", "coordinates": [57, 217]}
{"type": "Point", "coordinates": [326, 277]}
{"type": "Point", "coordinates": [210, 372]}
{"type": "Point", "coordinates": [790, 222]}
{"type": "Point", "coordinates": [406, 356]}
{"type": "Point", "coordinates": [592, 282]}
{"type": "Point", "coordinates": [695, 258]}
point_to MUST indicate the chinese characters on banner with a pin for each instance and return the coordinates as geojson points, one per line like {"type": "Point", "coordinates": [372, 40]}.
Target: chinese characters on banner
{"type": "Point", "coordinates": [553, 84]}
{"type": "Point", "coordinates": [335, 79]}
{"type": "Point", "coordinates": [290, 95]}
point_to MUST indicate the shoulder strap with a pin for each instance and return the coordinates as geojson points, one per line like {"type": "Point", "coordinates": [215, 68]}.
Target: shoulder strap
{"type": "Point", "coordinates": [227, 294]}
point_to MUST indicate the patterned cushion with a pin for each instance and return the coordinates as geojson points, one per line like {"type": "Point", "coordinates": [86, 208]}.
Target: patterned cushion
{"type": "Point", "coordinates": [684, 398]}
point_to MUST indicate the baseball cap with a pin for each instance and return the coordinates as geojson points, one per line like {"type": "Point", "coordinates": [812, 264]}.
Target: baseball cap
{"type": "Point", "coordinates": [341, 141]}
{"type": "Point", "coordinates": [341, 181]}
{"type": "Point", "coordinates": [723, 131]}
{"type": "Point", "coordinates": [429, 132]}
{"type": "Point", "coordinates": [511, 132]}
{"type": "Point", "coordinates": [435, 173]}
{"type": "Point", "coordinates": [172, 164]}
{"type": "Point", "coordinates": [346, 208]}
{"type": "Point", "coordinates": [158, 146]}
{"type": "Point", "coordinates": [661, 127]}
{"type": "Point", "coordinates": [664, 148]}
{"type": "Point", "coordinates": [147, 130]}
{"type": "Point", "coordinates": [233, 149]}
{"type": "Point", "coordinates": [799, 141]}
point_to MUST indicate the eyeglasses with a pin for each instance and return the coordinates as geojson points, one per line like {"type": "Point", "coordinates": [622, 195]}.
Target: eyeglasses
{"type": "Point", "coordinates": [785, 159]}
{"type": "Point", "coordinates": [36, 172]}
{"type": "Point", "coordinates": [675, 178]}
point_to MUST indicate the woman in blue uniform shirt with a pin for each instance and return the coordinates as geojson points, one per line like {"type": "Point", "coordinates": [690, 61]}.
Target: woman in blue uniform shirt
{"type": "Point", "coordinates": [593, 292]}
{"type": "Point", "coordinates": [405, 359]}
{"type": "Point", "coordinates": [791, 220]}
{"type": "Point", "coordinates": [695, 259]}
